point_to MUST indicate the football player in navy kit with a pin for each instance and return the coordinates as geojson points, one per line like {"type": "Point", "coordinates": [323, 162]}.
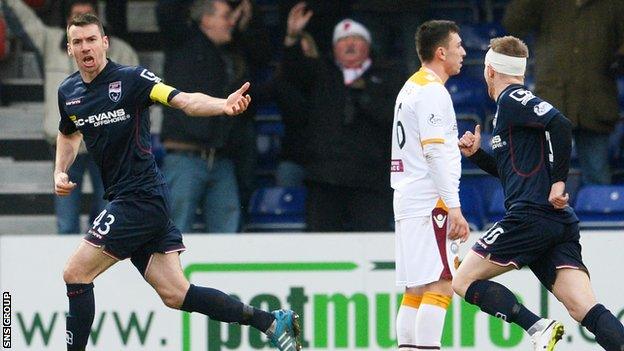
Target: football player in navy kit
{"type": "Point", "coordinates": [106, 104]}
{"type": "Point", "coordinates": [531, 155]}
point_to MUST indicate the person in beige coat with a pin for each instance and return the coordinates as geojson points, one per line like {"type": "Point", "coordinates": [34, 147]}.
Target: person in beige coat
{"type": "Point", "coordinates": [50, 44]}
{"type": "Point", "coordinates": [576, 42]}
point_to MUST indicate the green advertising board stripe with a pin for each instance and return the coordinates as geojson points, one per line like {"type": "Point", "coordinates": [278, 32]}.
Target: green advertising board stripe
{"type": "Point", "coordinates": [269, 267]}
{"type": "Point", "coordinates": [383, 265]}
{"type": "Point", "coordinates": [254, 267]}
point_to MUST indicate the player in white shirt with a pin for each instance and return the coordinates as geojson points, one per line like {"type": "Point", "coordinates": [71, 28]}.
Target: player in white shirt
{"type": "Point", "coordinates": [425, 174]}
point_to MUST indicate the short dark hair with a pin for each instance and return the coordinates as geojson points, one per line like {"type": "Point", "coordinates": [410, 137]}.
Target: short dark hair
{"type": "Point", "coordinates": [84, 20]}
{"type": "Point", "coordinates": [431, 35]}
{"type": "Point", "coordinates": [71, 3]}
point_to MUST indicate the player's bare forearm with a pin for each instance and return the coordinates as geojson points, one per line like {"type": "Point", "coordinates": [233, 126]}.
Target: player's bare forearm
{"type": "Point", "coordinates": [66, 150]}
{"type": "Point", "coordinates": [198, 104]}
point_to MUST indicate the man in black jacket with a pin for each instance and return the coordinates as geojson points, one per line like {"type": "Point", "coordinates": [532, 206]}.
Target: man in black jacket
{"type": "Point", "coordinates": [349, 101]}
{"type": "Point", "coordinates": [200, 165]}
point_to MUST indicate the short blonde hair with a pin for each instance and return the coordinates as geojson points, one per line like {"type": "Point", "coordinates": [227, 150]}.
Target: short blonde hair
{"type": "Point", "coordinates": [510, 46]}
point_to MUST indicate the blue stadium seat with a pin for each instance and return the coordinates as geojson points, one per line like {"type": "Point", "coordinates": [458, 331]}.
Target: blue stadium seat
{"type": "Point", "coordinates": [486, 141]}
{"type": "Point", "coordinates": [468, 92]}
{"type": "Point", "coordinates": [277, 209]}
{"type": "Point", "coordinates": [467, 122]}
{"type": "Point", "coordinates": [268, 143]}
{"type": "Point", "coordinates": [476, 39]}
{"type": "Point", "coordinates": [616, 146]}
{"type": "Point", "coordinates": [472, 203]}
{"type": "Point", "coordinates": [600, 206]}
{"type": "Point", "coordinates": [496, 206]}
{"type": "Point", "coordinates": [268, 112]}
{"type": "Point", "coordinates": [494, 9]}
{"type": "Point", "coordinates": [472, 68]}
{"type": "Point", "coordinates": [460, 11]}
{"type": "Point", "coordinates": [476, 113]}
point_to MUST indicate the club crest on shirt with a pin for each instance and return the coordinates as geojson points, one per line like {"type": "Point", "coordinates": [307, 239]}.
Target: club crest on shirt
{"type": "Point", "coordinates": [439, 220]}
{"type": "Point", "coordinates": [114, 91]}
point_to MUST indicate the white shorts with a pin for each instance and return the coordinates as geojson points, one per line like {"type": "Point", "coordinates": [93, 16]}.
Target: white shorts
{"type": "Point", "coordinates": [424, 254]}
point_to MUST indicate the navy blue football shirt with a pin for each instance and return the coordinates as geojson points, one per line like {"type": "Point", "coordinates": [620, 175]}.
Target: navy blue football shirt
{"type": "Point", "coordinates": [112, 114]}
{"type": "Point", "coordinates": [523, 152]}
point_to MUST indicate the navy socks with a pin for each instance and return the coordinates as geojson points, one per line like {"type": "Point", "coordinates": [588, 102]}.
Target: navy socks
{"type": "Point", "coordinates": [498, 301]}
{"type": "Point", "coordinates": [606, 327]}
{"type": "Point", "coordinates": [80, 316]}
{"type": "Point", "coordinates": [224, 308]}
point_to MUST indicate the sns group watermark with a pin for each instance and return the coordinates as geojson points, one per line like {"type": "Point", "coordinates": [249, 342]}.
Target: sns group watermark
{"type": "Point", "coordinates": [6, 320]}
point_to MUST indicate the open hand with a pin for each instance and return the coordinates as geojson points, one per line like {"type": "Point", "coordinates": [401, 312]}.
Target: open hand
{"type": "Point", "coordinates": [298, 18]}
{"type": "Point", "coordinates": [242, 15]}
{"type": "Point", "coordinates": [238, 101]}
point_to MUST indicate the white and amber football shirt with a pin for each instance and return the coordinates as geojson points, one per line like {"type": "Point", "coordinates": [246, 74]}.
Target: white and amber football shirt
{"type": "Point", "coordinates": [423, 115]}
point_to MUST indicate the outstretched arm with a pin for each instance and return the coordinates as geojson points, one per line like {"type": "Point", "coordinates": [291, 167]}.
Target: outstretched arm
{"type": "Point", "coordinates": [198, 104]}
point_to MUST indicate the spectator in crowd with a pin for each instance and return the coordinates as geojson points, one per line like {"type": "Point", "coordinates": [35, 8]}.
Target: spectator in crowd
{"type": "Point", "coordinates": [204, 155]}
{"type": "Point", "coordinates": [51, 45]}
{"type": "Point", "coordinates": [575, 44]}
{"type": "Point", "coordinates": [350, 99]}
{"type": "Point", "coordinates": [294, 111]}
{"type": "Point", "coordinates": [327, 15]}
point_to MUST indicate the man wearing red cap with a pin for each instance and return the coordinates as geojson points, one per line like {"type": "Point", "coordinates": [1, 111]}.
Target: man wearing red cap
{"type": "Point", "coordinates": [346, 101]}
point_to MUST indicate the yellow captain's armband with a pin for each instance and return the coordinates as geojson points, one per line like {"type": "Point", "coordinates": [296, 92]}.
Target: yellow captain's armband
{"type": "Point", "coordinates": [160, 93]}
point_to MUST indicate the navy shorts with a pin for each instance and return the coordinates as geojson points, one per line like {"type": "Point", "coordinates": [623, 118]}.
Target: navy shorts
{"type": "Point", "coordinates": [136, 228]}
{"type": "Point", "coordinates": [542, 244]}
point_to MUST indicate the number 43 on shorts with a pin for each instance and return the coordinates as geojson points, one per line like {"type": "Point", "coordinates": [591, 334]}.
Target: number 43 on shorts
{"type": "Point", "coordinates": [104, 228]}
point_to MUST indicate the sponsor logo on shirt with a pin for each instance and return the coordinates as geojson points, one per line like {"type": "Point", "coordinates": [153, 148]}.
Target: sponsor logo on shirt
{"type": "Point", "coordinates": [542, 108]}
{"type": "Point", "coordinates": [150, 76]}
{"type": "Point", "coordinates": [73, 102]}
{"type": "Point", "coordinates": [101, 118]}
{"type": "Point", "coordinates": [114, 91]}
{"type": "Point", "coordinates": [497, 142]}
{"type": "Point", "coordinates": [396, 166]}
{"type": "Point", "coordinates": [521, 95]}
{"type": "Point", "coordinates": [434, 120]}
